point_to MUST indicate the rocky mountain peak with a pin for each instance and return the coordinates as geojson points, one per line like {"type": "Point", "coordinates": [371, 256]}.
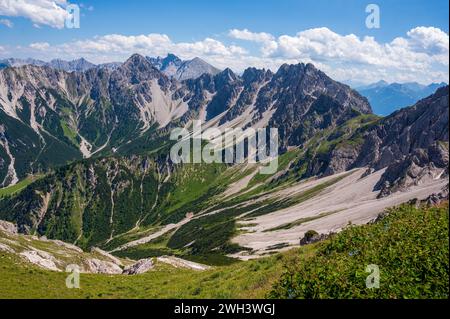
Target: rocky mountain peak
{"type": "Point", "coordinates": [137, 68]}
{"type": "Point", "coordinates": [172, 58]}
{"type": "Point", "coordinates": [197, 60]}
{"type": "Point", "coordinates": [226, 76]}
{"type": "Point", "coordinates": [176, 68]}
{"type": "Point", "coordinates": [256, 75]}
{"type": "Point", "coordinates": [136, 60]}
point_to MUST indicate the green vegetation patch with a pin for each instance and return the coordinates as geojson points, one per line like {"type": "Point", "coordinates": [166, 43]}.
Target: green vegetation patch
{"type": "Point", "coordinates": [410, 246]}
{"type": "Point", "coordinates": [14, 189]}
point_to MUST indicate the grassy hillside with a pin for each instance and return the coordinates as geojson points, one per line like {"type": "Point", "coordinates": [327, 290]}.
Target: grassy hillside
{"type": "Point", "coordinates": [253, 278]}
{"type": "Point", "coordinates": [14, 189]}
{"type": "Point", "coordinates": [411, 247]}
{"type": "Point", "coordinates": [108, 202]}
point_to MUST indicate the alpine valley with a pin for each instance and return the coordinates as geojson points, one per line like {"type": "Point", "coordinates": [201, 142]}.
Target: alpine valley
{"type": "Point", "coordinates": [87, 179]}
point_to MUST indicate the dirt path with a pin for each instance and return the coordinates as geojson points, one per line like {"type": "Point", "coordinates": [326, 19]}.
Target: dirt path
{"type": "Point", "coordinates": [155, 235]}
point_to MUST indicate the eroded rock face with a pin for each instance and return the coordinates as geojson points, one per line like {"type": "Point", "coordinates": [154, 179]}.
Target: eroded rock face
{"type": "Point", "coordinates": [417, 127]}
{"type": "Point", "coordinates": [140, 267]}
{"type": "Point", "coordinates": [97, 266]}
{"type": "Point", "coordinates": [66, 245]}
{"type": "Point", "coordinates": [421, 166]}
{"type": "Point", "coordinates": [181, 263]}
{"type": "Point", "coordinates": [41, 259]}
{"type": "Point", "coordinates": [437, 198]}
{"type": "Point", "coordinates": [107, 255]}
{"type": "Point", "coordinates": [115, 106]}
{"type": "Point", "coordinates": [6, 248]}
{"type": "Point", "coordinates": [8, 227]}
{"type": "Point", "coordinates": [312, 237]}
{"type": "Point", "coordinates": [412, 144]}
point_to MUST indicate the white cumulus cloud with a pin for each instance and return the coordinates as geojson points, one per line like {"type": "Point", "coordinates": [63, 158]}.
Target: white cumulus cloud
{"type": "Point", "coordinates": [117, 47]}
{"type": "Point", "coordinates": [250, 36]}
{"type": "Point", "coordinates": [420, 55]}
{"type": "Point", "coordinates": [40, 12]}
{"type": "Point", "coordinates": [266, 39]}
{"type": "Point", "coordinates": [41, 46]}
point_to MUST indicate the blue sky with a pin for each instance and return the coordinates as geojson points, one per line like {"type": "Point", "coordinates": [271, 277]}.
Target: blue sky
{"type": "Point", "coordinates": [186, 23]}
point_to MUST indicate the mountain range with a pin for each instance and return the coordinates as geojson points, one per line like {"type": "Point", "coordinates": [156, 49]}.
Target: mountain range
{"type": "Point", "coordinates": [94, 146]}
{"type": "Point", "coordinates": [171, 65]}
{"type": "Point", "coordinates": [386, 98]}
{"type": "Point", "coordinates": [68, 116]}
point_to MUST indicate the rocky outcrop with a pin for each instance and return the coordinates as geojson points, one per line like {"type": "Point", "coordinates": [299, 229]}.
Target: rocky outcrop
{"type": "Point", "coordinates": [311, 237]}
{"type": "Point", "coordinates": [6, 248]}
{"type": "Point", "coordinates": [417, 168]}
{"type": "Point", "coordinates": [437, 198]}
{"type": "Point", "coordinates": [106, 255]}
{"type": "Point", "coordinates": [8, 227]}
{"type": "Point", "coordinates": [181, 263]}
{"type": "Point", "coordinates": [41, 258]}
{"type": "Point", "coordinates": [398, 135]}
{"type": "Point", "coordinates": [67, 246]}
{"type": "Point", "coordinates": [97, 266]}
{"type": "Point", "coordinates": [140, 267]}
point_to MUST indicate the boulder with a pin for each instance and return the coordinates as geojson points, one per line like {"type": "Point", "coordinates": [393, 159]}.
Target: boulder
{"type": "Point", "coordinates": [139, 267]}
{"type": "Point", "coordinates": [311, 236]}
{"type": "Point", "coordinates": [6, 248]}
{"type": "Point", "coordinates": [107, 255]}
{"type": "Point", "coordinates": [97, 266]}
{"type": "Point", "coordinates": [41, 259]}
{"type": "Point", "coordinates": [8, 227]}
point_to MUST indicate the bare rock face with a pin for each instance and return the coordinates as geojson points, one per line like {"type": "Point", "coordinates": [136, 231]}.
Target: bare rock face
{"type": "Point", "coordinates": [419, 167]}
{"type": "Point", "coordinates": [41, 259]}
{"type": "Point", "coordinates": [417, 127]}
{"type": "Point", "coordinates": [181, 263]}
{"type": "Point", "coordinates": [8, 227]}
{"type": "Point", "coordinates": [311, 237]}
{"type": "Point", "coordinates": [436, 199]}
{"type": "Point", "coordinates": [306, 101]}
{"type": "Point", "coordinates": [140, 267]}
{"type": "Point", "coordinates": [107, 255]}
{"type": "Point", "coordinates": [117, 105]}
{"type": "Point", "coordinates": [97, 266]}
{"type": "Point", "coordinates": [411, 144]}
{"type": "Point", "coordinates": [341, 159]}
{"type": "Point", "coordinates": [6, 248]}
{"type": "Point", "coordinates": [173, 66]}
{"type": "Point", "coordinates": [67, 245]}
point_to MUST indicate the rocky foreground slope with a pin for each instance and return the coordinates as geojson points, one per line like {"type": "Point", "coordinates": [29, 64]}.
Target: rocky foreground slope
{"type": "Point", "coordinates": [56, 255]}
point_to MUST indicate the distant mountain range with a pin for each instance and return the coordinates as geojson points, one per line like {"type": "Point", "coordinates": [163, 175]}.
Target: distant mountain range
{"type": "Point", "coordinates": [386, 98]}
{"type": "Point", "coordinates": [78, 65]}
{"type": "Point", "coordinates": [171, 66]}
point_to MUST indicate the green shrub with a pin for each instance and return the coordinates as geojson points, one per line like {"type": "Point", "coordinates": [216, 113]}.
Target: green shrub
{"type": "Point", "coordinates": [409, 245]}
